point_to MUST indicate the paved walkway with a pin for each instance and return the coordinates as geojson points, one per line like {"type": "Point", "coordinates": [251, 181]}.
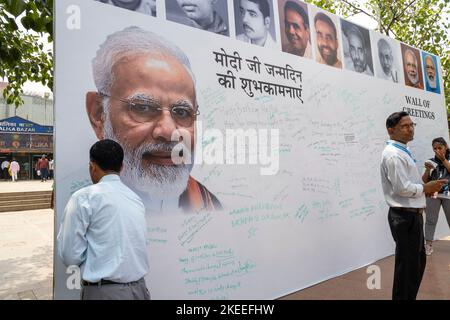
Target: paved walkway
{"type": "Point", "coordinates": [353, 286]}
{"type": "Point", "coordinates": [26, 255]}
{"type": "Point", "coordinates": [24, 186]}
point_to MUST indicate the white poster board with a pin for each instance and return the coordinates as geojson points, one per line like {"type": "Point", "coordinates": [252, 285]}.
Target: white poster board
{"type": "Point", "coordinates": [317, 212]}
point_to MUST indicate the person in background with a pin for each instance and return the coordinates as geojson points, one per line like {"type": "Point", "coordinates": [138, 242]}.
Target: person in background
{"type": "Point", "coordinates": [42, 166]}
{"type": "Point", "coordinates": [103, 231]}
{"type": "Point", "coordinates": [14, 168]}
{"type": "Point", "coordinates": [5, 166]}
{"type": "Point", "coordinates": [434, 172]}
{"type": "Point", "coordinates": [51, 166]}
{"type": "Point", "coordinates": [405, 195]}
{"type": "Point", "coordinates": [26, 168]}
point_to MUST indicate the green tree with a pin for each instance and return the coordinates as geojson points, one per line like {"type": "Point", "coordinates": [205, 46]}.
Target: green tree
{"type": "Point", "coordinates": [423, 24]}
{"type": "Point", "coordinates": [22, 56]}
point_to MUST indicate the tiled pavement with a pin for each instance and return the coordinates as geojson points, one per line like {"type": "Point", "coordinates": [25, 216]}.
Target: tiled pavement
{"type": "Point", "coordinates": [26, 254]}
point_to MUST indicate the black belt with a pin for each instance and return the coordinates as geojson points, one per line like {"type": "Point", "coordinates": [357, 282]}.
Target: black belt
{"type": "Point", "coordinates": [105, 282]}
{"type": "Point", "coordinates": [408, 210]}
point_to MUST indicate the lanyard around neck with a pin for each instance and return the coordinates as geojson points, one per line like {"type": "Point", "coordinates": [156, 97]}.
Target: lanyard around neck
{"type": "Point", "coordinates": [396, 145]}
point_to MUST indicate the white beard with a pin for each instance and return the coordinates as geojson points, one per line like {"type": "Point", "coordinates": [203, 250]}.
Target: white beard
{"type": "Point", "coordinates": [432, 83]}
{"type": "Point", "coordinates": [414, 80]}
{"type": "Point", "coordinates": [156, 182]}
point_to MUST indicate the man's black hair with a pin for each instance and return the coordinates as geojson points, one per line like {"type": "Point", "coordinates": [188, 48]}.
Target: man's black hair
{"type": "Point", "coordinates": [290, 5]}
{"type": "Point", "coordinates": [107, 154]}
{"type": "Point", "coordinates": [263, 6]}
{"type": "Point", "coordinates": [395, 118]}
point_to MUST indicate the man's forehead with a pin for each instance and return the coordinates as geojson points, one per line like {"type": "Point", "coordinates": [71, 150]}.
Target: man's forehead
{"type": "Point", "coordinates": [250, 6]}
{"type": "Point", "coordinates": [353, 37]}
{"type": "Point", "coordinates": [142, 65]}
{"type": "Point", "coordinates": [148, 59]}
{"type": "Point", "coordinates": [324, 25]}
{"type": "Point", "coordinates": [386, 50]}
{"type": "Point", "coordinates": [405, 119]}
{"type": "Point", "coordinates": [295, 13]}
{"type": "Point", "coordinates": [410, 56]}
{"type": "Point", "coordinates": [148, 62]}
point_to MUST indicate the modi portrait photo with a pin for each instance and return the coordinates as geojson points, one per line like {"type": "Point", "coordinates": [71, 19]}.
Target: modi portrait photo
{"type": "Point", "coordinates": [145, 93]}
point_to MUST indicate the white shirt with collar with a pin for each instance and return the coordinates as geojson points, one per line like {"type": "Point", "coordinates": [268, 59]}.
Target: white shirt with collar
{"type": "Point", "coordinates": [392, 76]}
{"type": "Point", "coordinates": [400, 178]}
{"type": "Point", "coordinates": [269, 43]}
{"type": "Point", "coordinates": [104, 231]}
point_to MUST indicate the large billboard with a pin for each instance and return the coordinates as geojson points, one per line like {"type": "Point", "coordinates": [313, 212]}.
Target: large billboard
{"type": "Point", "coordinates": [281, 108]}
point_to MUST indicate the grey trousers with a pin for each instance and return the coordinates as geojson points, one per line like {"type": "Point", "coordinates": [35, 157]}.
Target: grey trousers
{"type": "Point", "coordinates": [432, 215]}
{"type": "Point", "coordinates": [133, 291]}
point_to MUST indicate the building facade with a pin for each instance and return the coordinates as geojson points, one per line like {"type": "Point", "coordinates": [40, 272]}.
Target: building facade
{"type": "Point", "coordinates": [26, 132]}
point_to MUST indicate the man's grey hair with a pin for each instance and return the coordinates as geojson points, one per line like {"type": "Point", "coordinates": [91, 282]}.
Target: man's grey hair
{"type": "Point", "coordinates": [382, 43]}
{"type": "Point", "coordinates": [413, 54]}
{"type": "Point", "coordinates": [428, 56]}
{"type": "Point", "coordinates": [131, 41]}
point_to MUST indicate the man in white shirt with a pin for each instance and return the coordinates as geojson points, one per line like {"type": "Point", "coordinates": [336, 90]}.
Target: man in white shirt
{"type": "Point", "coordinates": [256, 21]}
{"type": "Point", "coordinates": [51, 166]}
{"type": "Point", "coordinates": [405, 194]}
{"type": "Point", "coordinates": [104, 231]}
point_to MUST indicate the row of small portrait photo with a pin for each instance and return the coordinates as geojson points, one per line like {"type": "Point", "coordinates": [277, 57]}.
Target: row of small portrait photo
{"type": "Point", "coordinates": [305, 31]}
{"type": "Point", "coordinates": [304, 27]}
{"type": "Point", "coordinates": [254, 19]}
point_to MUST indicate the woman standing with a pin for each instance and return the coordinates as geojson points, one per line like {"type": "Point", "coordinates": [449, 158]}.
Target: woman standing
{"type": "Point", "coordinates": [434, 203]}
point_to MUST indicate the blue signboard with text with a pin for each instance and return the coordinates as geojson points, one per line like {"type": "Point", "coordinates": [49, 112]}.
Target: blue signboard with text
{"type": "Point", "coordinates": [20, 125]}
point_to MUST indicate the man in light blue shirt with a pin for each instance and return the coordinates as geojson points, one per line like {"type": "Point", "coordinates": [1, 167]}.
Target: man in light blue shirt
{"type": "Point", "coordinates": [405, 193]}
{"type": "Point", "coordinates": [104, 231]}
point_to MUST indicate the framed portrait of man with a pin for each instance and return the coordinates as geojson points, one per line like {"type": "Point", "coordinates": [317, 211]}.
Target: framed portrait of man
{"type": "Point", "coordinates": [412, 67]}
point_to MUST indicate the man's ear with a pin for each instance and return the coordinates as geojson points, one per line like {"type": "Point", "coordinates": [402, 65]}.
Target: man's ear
{"type": "Point", "coordinates": [94, 110]}
{"type": "Point", "coordinates": [390, 131]}
{"type": "Point", "coordinates": [267, 22]}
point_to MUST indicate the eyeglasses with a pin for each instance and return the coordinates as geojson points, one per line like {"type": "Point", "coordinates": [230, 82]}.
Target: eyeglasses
{"type": "Point", "coordinates": [408, 125]}
{"type": "Point", "coordinates": [142, 110]}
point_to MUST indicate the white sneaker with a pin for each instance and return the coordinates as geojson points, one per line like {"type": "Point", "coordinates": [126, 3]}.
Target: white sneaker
{"type": "Point", "coordinates": [428, 249]}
